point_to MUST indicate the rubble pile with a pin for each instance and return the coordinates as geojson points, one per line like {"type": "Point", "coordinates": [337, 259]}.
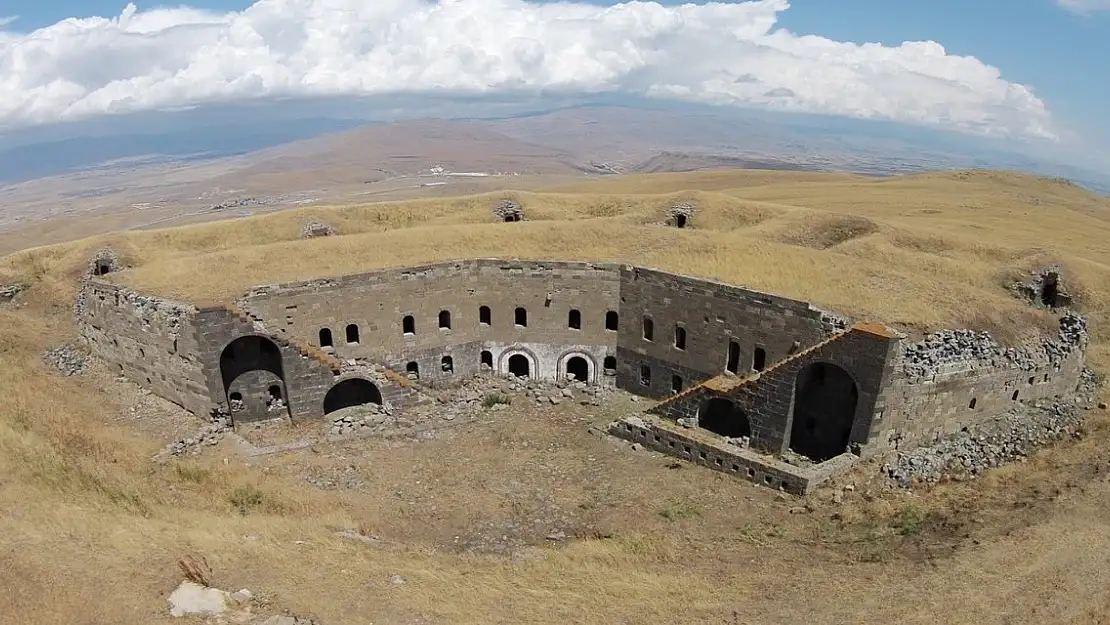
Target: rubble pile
{"type": "Point", "coordinates": [979, 349]}
{"type": "Point", "coordinates": [67, 359]}
{"type": "Point", "coordinates": [207, 436]}
{"type": "Point", "coordinates": [1011, 436]}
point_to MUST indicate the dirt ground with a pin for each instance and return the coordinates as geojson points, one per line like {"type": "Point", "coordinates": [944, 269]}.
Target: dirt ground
{"type": "Point", "coordinates": [523, 515]}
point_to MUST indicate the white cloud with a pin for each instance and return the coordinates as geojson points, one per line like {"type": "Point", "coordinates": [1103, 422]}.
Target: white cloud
{"type": "Point", "coordinates": [1084, 7]}
{"type": "Point", "coordinates": [719, 53]}
{"type": "Point", "coordinates": [10, 19]}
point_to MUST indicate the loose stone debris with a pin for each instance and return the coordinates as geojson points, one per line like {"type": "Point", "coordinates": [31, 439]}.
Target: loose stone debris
{"type": "Point", "coordinates": [67, 359]}
{"type": "Point", "coordinates": [978, 349]}
{"type": "Point", "coordinates": [1012, 436]}
{"type": "Point", "coordinates": [207, 436]}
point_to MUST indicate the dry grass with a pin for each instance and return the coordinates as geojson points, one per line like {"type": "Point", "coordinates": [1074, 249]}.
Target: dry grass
{"type": "Point", "coordinates": [91, 531]}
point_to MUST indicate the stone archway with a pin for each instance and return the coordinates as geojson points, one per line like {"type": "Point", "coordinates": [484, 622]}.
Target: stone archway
{"type": "Point", "coordinates": [825, 398]}
{"type": "Point", "coordinates": [722, 416]}
{"type": "Point", "coordinates": [577, 368]}
{"type": "Point", "coordinates": [250, 366]}
{"type": "Point", "coordinates": [351, 392]}
{"type": "Point", "coordinates": [519, 366]}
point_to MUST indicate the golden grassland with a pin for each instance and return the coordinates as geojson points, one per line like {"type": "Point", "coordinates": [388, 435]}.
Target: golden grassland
{"type": "Point", "coordinates": [90, 528]}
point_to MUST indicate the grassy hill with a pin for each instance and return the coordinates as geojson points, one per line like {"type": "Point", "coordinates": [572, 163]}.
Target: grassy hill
{"type": "Point", "coordinates": [90, 528]}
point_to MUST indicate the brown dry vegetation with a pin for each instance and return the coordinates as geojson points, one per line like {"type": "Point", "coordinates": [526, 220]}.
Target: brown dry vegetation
{"type": "Point", "coordinates": [91, 531]}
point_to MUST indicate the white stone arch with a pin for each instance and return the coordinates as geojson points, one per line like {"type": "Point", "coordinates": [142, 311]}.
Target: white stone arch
{"type": "Point", "coordinates": [591, 366]}
{"type": "Point", "coordinates": [533, 361]}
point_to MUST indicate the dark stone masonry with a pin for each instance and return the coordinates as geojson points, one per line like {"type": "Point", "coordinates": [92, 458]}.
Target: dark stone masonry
{"type": "Point", "coordinates": [743, 381]}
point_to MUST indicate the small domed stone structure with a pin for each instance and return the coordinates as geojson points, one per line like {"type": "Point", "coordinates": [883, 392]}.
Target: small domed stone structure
{"type": "Point", "coordinates": [680, 215]}
{"type": "Point", "coordinates": [315, 229]}
{"type": "Point", "coordinates": [509, 210]}
{"type": "Point", "coordinates": [103, 262]}
{"type": "Point", "coordinates": [1046, 288]}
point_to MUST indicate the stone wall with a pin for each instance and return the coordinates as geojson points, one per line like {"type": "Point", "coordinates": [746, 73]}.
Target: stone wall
{"type": "Point", "coordinates": [149, 340]}
{"type": "Point", "coordinates": [377, 304]}
{"type": "Point", "coordinates": [955, 379]}
{"type": "Point", "coordinates": [767, 399]}
{"type": "Point", "coordinates": [711, 314]}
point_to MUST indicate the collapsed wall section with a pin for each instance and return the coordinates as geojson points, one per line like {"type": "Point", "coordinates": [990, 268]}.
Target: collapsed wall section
{"type": "Point", "coordinates": [149, 340]}
{"type": "Point", "coordinates": [678, 331]}
{"type": "Point", "coordinates": [959, 378]}
{"type": "Point", "coordinates": [445, 320]}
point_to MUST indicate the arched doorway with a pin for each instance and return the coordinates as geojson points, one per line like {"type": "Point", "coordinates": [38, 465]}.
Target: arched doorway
{"type": "Point", "coordinates": [351, 392]}
{"type": "Point", "coordinates": [251, 370]}
{"type": "Point", "coordinates": [519, 366]}
{"type": "Point", "coordinates": [825, 398]}
{"type": "Point", "coordinates": [577, 369]}
{"type": "Point", "coordinates": [249, 353]}
{"type": "Point", "coordinates": [722, 416]}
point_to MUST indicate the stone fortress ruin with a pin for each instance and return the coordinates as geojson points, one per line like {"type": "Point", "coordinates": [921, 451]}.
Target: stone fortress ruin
{"type": "Point", "coordinates": [768, 389]}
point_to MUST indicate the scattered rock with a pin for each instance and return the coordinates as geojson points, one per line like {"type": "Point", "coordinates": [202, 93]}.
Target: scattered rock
{"type": "Point", "coordinates": [943, 350]}
{"type": "Point", "coordinates": [207, 436]}
{"type": "Point", "coordinates": [1011, 436]}
{"type": "Point", "coordinates": [192, 598]}
{"type": "Point", "coordinates": [8, 292]}
{"type": "Point", "coordinates": [67, 359]}
{"type": "Point", "coordinates": [396, 580]}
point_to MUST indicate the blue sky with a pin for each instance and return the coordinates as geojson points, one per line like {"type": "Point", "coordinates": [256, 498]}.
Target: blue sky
{"type": "Point", "coordinates": [1063, 55]}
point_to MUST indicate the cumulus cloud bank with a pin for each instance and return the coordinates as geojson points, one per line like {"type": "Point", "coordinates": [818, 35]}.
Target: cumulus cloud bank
{"type": "Point", "coordinates": [1085, 6]}
{"type": "Point", "coordinates": [722, 53]}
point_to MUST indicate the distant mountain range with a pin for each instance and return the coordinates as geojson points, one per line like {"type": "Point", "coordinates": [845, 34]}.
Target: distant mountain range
{"type": "Point", "coordinates": [208, 157]}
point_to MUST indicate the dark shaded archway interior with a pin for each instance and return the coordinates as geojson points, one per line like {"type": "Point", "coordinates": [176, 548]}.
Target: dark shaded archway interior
{"type": "Point", "coordinates": [722, 416]}
{"type": "Point", "coordinates": [825, 398]}
{"type": "Point", "coordinates": [249, 353]}
{"type": "Point", "coordinates": [578, 369]}
{"type": "Point", "coordinates": [519, 366]}
{"type": "Point", "coordinates": [351, 392]}
{"type": "Point", "coordinates": [487, 358]}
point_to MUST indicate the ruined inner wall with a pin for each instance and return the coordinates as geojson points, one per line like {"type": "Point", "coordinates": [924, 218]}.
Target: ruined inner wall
{"type": "Point", "coordinates": [149, 340]}
{"type": "Point", "coordinates": [957, 379]}
{"type": "Point", "coordinates": [712, 314]}
{"type": "Point", "coordinates": [376, 303]}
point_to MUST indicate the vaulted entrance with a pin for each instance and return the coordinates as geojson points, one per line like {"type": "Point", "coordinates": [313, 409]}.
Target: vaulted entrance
{"type": "Point", "coordinates": [825, 398]}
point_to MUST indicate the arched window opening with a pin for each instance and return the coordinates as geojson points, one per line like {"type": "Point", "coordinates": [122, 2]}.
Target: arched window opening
{"type": "Point", "coordinates": [352, 334]}
{"type": "Point", "coordinates": [611, 320]}
{"type": "Point", "coordinates": [447, 364]}
{"type": "Point", "coordinates": [444, 320]}
{"type": "Point", "coordinates": [610, 365]}
{"type": "Point", "coordinates": [649, 329]}
{"type": "Point", "coordinates": [487, 359]}
{"type": "Point", "coordinates": [759, 359]}
{"type": "Point", "coordinates": [679, 337]}
{"type": "Point", "coordinates": [484, 315]}
{"type": "Point", "coordinates": [676, 384]}
{"type": "Point", "coordinates": [645, 375]}
{"type": "Point", "coordinates": [408, 325]}
{"type": "Point", "coordinates": [520, 317]}
{"type": "Point", "coordinates": [413, 370]}
{"type": "Point", "coordinates": [733, 363]}
{"type": "Point", "coordinates": [574, 319]}
{"type": "Point", "coordinates": [325, 337]}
